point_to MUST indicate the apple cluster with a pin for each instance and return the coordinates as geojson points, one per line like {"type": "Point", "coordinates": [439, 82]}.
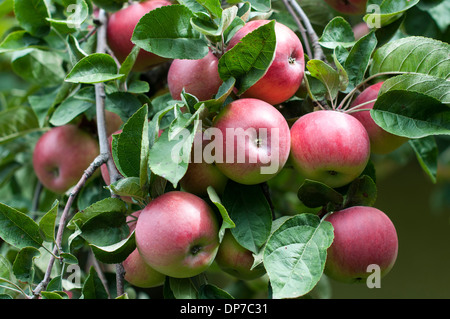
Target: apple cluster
{"type": "Point", "coordinates": [177, 233]}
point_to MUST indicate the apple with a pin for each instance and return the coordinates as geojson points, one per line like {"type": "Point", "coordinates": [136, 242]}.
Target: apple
{"type": "Point", "coordinates": [252, 141]}
{"type": "Point", "coordinates": [236, 260]}
{"type": "Point", "coordinates": [202, 173]}
{"type": "Point", "coordinates": [177, 234]}
{"type": "Point", "coordinates": [113, 122]}
{"type": "Point", "coordinates": [360, 30]}
{"type": "Point", "coordinates": [137, 272]}
{"type": "Point", "coordinates": [352, 7]}
{"type": "Point", "coordinates": [381, 142]}
{"type": "Point", "coordinates": [284, 76]}
{"type": "Point", "coordinates": [198, 77]}
{"type": "Point", "coordinates": [61, 156]}
{"type": "Point", "coordinates": [329, 146]}
{"type": "Point", "coordinates": [363, 236]}
{"type": "Point", "coordinates": [120, 29]}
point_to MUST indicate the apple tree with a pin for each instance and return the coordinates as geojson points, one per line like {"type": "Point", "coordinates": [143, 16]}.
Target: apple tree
{"type": "Point", "coordinates": [118, 118]}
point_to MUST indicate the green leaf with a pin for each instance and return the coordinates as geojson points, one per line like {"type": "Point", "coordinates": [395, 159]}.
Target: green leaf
{"type": "Point", "coordinates": [110, 5]}
{"type": "Point", "coordinates": [20, 40]}
{"type": "Point", "coordinates": [209, 291]}
{"type": "Point", "coordinates": [129, 186]}
{"type": "Point", "coordinates": [261, 5]}
{"type": "Point", "coordinates": [115, 253]}
{"type": "Point", "coordinates": [183, 288]}
{"type": "Point", "coordinates": [249, 59]}
{"type": "Point", "coordinates": [32, 15]}
{"type": "Point", "coordinates": [413, 54]}
{"type": "Point", "coordinates": [361, 192]}
{"type": "Point", "coordinates": [79, 12]}
{"type": "Point", "coordinates": [337, 32]}
{"type": "Point", "coordinates": [124, 104]}
{"type": "Point", "coordinates": [411, 114]}
{"type": "Point", "coordinates": [167, 32]}
{"type": "Point", "coordinates": [18, 229]}
{"type": "Point", "coordinates": [219, 100]}
{"type": "Point", "coordinates": [388, 11]}
{"type": "Point", "coordinates": [213, 7]}
{"type": "Point", "coordinates": [17, 122]}
{"type": "Point", "coordinates": [23, 264]}
{"type": "Point", "coordinates": [95, 68]}
{"type": "Point", "coordinates": [226, 220]}
{"type": "Point", "coordinates": [358, 59]}
{"type": "Point", "coordinates": [316, 194]}
{"type": "Point", "coordinates": [47, 223]}
{"type": "Point", "coordinates": [325, 74]}
{"type": "Point", "coordinates": [295, 255]}
{"type": "Point", "coordinates": [93, 287]}
{"type": "Point", "coordinates": [249, 210]}
{"type": "Point", "coordinates": [427, 153]}
{"type": "Point", "coordinates": [71, 107]}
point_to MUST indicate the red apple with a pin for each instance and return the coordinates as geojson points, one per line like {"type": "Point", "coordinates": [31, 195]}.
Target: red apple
{"type": "Point", "coordinates": [237, 260]}
{"type": "Point", "coordinates": [381, 142]}
{"type": "Point", "coordinates": [62, 155]}
{"type": "Point", "coordinates": [113, 122]}
{"type": "Point", "coordinates": [348, 6]}
{"type": "Point", "coordinates": [201, 172]}
{"type": "Point", "coordinates": [137, 272]}
{"type": "Point", "coordinates": [363, 236]}
{"type": "Point", "coordinates": [177, 234]}
{"type": "Point", "coordinates": [252, 141]}
{"type": "Point", "coordinates": [360, 30]}
{"type": "Point", "coordinates": [197, 77]}
{"type": "Point", "coordinates": [120, 29]}
{"type": "Point", "coordinates": [284, 76]}
{"type": "Point", "coordinates": [330, 147]}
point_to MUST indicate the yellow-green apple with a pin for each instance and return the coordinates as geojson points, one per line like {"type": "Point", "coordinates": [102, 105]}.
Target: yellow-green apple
{"type": "Point", "coordinates": [177, 234]}
{"type": "Point", "coordinates": [381, 142]}
{"type": "Point", "coordinates": [120, 29]}
{"type": "Point", "coordinates": [197, 77]}
{"type": "Point", "coordinates": [363, 236]}
{"type": "Point", "coordinates": [61, 156]}
{"type": "Point", "coordinates": [236, 260]}
{"type": "Point", "coordinates": [352, 7]}
{"type": "Point", "coordinates": [137, 272]}
{"type": "Point", "coordinates": [202, 171]}
{"type": "Point", "coordinates": [285, 74]}
{"type": "Point", "coordinates": [251, 139]}
{"type": "Point", "coordinates": [329, 146]}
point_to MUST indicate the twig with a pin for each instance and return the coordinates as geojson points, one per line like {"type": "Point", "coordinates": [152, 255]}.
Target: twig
{"type": "Point", "coordinates": [300, 27]}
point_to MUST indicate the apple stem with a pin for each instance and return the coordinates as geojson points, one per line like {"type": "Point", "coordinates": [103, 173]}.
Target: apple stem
{"type": "Point", "coordinates": [355, 108]}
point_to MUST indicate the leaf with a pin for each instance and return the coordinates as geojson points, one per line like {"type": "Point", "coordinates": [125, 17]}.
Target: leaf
{"type": "Point", "coordinates": [316, 194]}
{"type": "Point", "coordinates": [325, 74]}
{"type": "Point", "coordinates": [226, 220]}
{"type": "Point", "coordinates": [295, 255]}
{"type": "Point", "coordinates": [32, 15]}
{"type": "Point", "coordinates": [358, 59]}
{"type": "Point", "coordinates": [47, 223]}
{"type": "Point", "coordinates": [79, 10]}
{"type": "Point", "coordinates": [129, 186]}
{"type": "Point", "coordinates": [249, 210]}
{"type": "Point", "coordinates": [110, 5]}
{"type": "Point", "coordinates": [115, 253]}
{"type": "Point", "coordinates": [17, 122]}
{"type": "Point", "coordinates": [18, 229]}
{"type": "Point", "coordinates": [19, 40]}
{"type": "Point", "coordinates": [413, 54]}
{"type": "Point", "coordinates": [71, 107]}
{"type": "Point", "coordinates": [167, 32]}
{"type": "Point", "coordinates": [209, 291]}
{"type": "Point", "coordinates": [213, 7]}
{"type": "Point", "coordinates": [427, 153]}
{"type": "Point", "coordinates": [361, 192]}
{"type": "Point", "coordinates": [337, 32]}
{"type": "Point", "coordinates": [95, 68]}
{"type": "Point", "coordinates": [93, 287]}
{"type": "Point", "coordinates": [23, 264]}
{"type": "Point", "coordinates": [387, 12]}
{"type": "Point", "coordinates": [411, 114]}
{"type": "Point", "coordinates": [183, 288]}
{"type": "Point", "coordinates": [250, 58]}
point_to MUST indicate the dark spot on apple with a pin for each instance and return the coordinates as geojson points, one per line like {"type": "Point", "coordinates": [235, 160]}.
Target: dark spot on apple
{"type": "Point", "coordinates": [196, 249]}
{"type": "Point", "coordinates": [333, 173]}
{"type": "Point", "coordinates": [291, 60]}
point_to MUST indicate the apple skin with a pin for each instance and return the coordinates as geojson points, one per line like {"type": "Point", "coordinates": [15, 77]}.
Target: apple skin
{"type": "Point", "coordinates": [137, 272]}
{"type": "Point", "coordinates": [61, 156]}
{"type": "Point", "coordinates": [236, 260]}
{"type": "Point", "coordinates": [255, 115]}
{"type": "Point", "coordinates": [113, 122]}
{"type": "Point", "coordinates": [200, 175]}
{"type": "Point", "coordinates": [177, 234]}
{"type": "Point", "coordinates": [197, 77]}
{"type": "Point", "coordinates": [362, 236]}
{"type": "Point", "coordinates": [329, 147]}
{"type": "Point", "coordinates": [284, 76]}
{"type": "Point", "coordinates": [351, 7]}
{"type": "Point", "coordinates": [120, 29]}
{"type": "Point", "coordinates": [360, 30]}
{"type": "Point", "coordinates": [381, 142]}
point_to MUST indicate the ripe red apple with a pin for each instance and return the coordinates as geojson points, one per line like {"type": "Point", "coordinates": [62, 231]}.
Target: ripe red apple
{"type": "Point", "coordinates": [381, 142]}
{"type": "Point", "coordinates": [202, 172]}
{"type": "Point", "coordinates": [197, 77]}
{"type": "Point", "coordinates": [252, 141]}
{"type": "Point", "coordinates": [120, 29]}
{"type": "Point", "coordinates": [348, 6]}
{"type": "Point", "coordinates": [284, 76]}
{"type": "Point", "coordinates": [113, 122]}
{"type": "Point", "coordinates": [62, 155]}
{"type": "Point", "coordinates": [363, 236]}
{"type": "Point", "coordinates": [177, 234]}
{"type": "Point", "coordinates": [330, 147]}
{"type": "Point", "coordinates": [237, 260]}
{"type": "Point", "coordinates": [137, 272]}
